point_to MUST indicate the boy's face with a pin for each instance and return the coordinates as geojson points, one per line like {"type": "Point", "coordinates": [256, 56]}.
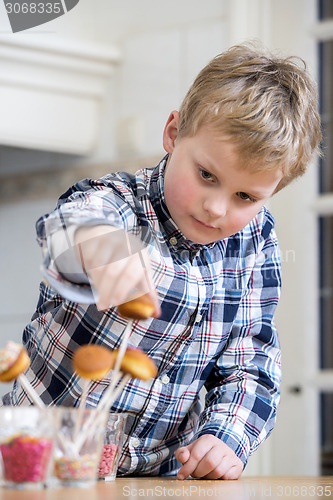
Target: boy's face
{"type": "Point", "coordinates": [207, 193]}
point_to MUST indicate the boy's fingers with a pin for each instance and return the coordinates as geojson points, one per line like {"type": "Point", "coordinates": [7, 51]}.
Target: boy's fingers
{"type": "Point", "coordinates": [116, 282]}
{"type": "Point", "coordinates": [182, 455]}
{"type": "Point", "coordinates": [213, 462]}
{"type": "Point", "coordinates": [152, 291]}
{"type": "Point", "coordinates": [158, 310]}
{"type": "Point", "coordinates": [185, 471]}
{"type": "Point", "coordinates": [189, 460]}
{"type": "Point", "coordinates": [126, 276]}
{"type": "Point", "coordinates": [117, 263]}
{"type": "Point", "coordinates": [208, 458]}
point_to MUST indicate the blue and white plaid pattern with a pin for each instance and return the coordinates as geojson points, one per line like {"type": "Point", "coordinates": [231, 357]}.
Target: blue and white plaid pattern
{"type": "Point", "coordinates": [216, 329]}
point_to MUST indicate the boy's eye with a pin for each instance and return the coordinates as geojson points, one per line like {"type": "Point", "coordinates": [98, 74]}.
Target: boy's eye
{"type": "Point", "coordinates": [246, 197]}
{"type": "Point", "coordinates": [206, 175]}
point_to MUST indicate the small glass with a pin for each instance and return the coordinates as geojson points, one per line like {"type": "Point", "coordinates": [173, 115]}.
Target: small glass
{"type": "Point", "coordinates": [78, 445]}
{"type": "Point", "coordinates": [113, 442]}
{"type": "Point", "coordinates": [26, 446]}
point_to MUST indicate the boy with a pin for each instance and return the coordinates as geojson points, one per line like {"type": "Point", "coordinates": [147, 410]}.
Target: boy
{"type": "Point", "coordinates": [209, 259]}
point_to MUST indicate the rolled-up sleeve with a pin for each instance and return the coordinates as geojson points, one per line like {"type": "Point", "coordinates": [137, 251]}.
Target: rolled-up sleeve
{"type": "Point", "coordinates": [88, 203]}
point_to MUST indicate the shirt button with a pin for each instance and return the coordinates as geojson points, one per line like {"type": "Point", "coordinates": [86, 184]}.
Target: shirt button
{"type": "Point", "coordinates": [165, 379]}
{"type": "Point", "coordinates": [198, 318]}
{"type": "Point", "coordinates": [136, 443]}
{"type": "Point", "coordinates": [173, 241]}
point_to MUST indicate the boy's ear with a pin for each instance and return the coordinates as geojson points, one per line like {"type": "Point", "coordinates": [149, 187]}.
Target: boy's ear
{"type": "Point", "coordinates": [170, 132]}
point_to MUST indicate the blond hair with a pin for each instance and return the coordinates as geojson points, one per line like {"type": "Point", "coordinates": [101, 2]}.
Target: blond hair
{"type": "Point", "coordinates": [266, 105]}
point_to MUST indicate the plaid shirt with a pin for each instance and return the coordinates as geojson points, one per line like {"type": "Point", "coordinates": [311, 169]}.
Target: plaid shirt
{"type": "Point", "coordinates": [216, 329]}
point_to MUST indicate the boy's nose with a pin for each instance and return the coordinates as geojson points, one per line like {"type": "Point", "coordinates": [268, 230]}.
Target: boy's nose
{"type": "Point", "coordinates": [216, 207]}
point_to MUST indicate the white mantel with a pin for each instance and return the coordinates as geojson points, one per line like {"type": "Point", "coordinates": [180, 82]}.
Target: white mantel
{"type": "Point", "coordinates": [51, 91]}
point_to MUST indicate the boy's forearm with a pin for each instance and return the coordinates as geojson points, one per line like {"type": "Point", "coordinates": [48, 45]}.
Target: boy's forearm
{"type": "Point", "coordinates": [241, 404]}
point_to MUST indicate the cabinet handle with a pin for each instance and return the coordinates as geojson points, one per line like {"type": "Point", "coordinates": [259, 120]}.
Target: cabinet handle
{"type": "Point", "coordinates": [295, 389]}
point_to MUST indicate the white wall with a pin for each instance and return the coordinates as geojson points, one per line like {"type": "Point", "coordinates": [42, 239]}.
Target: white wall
{"type": "Point", "coordinates": [20, 259]}
{"type": "Point", "coordinates": [164, 45]}
{"type": "Point", "coordinates": [297, 434]}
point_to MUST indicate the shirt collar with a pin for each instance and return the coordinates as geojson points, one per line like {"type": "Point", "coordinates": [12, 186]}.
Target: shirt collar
{"type": "Point", "coordinates": [157, 198]}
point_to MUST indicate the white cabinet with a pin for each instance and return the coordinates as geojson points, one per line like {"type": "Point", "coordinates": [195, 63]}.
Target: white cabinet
{"type": "Point", "coordinates": [51, 91]}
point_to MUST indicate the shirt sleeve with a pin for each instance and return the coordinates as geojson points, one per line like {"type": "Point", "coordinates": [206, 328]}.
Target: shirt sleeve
{"type": "Point", "coordinates": [87, 205]}
{"type": "Point", "coordinates": [243, 388]}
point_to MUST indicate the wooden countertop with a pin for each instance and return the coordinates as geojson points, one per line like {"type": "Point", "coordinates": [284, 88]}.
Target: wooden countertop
{"type": "Point", "coordinates": [259, 488]}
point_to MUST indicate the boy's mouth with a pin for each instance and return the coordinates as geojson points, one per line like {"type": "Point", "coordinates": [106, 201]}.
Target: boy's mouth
{"type": "Point", "coordinates": [208, 226]}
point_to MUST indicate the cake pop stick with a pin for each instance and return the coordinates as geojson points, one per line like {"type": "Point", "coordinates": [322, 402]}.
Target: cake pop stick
{"type": "Point", "coordinates": [107, 394]}
{"type": "Point", "coordinates": [14, 360]}
{"type": "Point", "coordinates": [116, 375]}
{"type": "Point", "coordinates": [138, 308]}
{"type": "Point", "coordinates": [135, 309]}
{"type": "Point", "coordinates": [91, 362]}
{"type": "Point", "coordinates": [135, 364]}
{"type": "Point", "coordinates": [34, 396]}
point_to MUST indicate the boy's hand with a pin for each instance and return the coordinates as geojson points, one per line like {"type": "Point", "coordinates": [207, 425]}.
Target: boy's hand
{"type": "Point", "coordinates": [117, 264]}
{"type": "Point", "coordinates": [208, 457]}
